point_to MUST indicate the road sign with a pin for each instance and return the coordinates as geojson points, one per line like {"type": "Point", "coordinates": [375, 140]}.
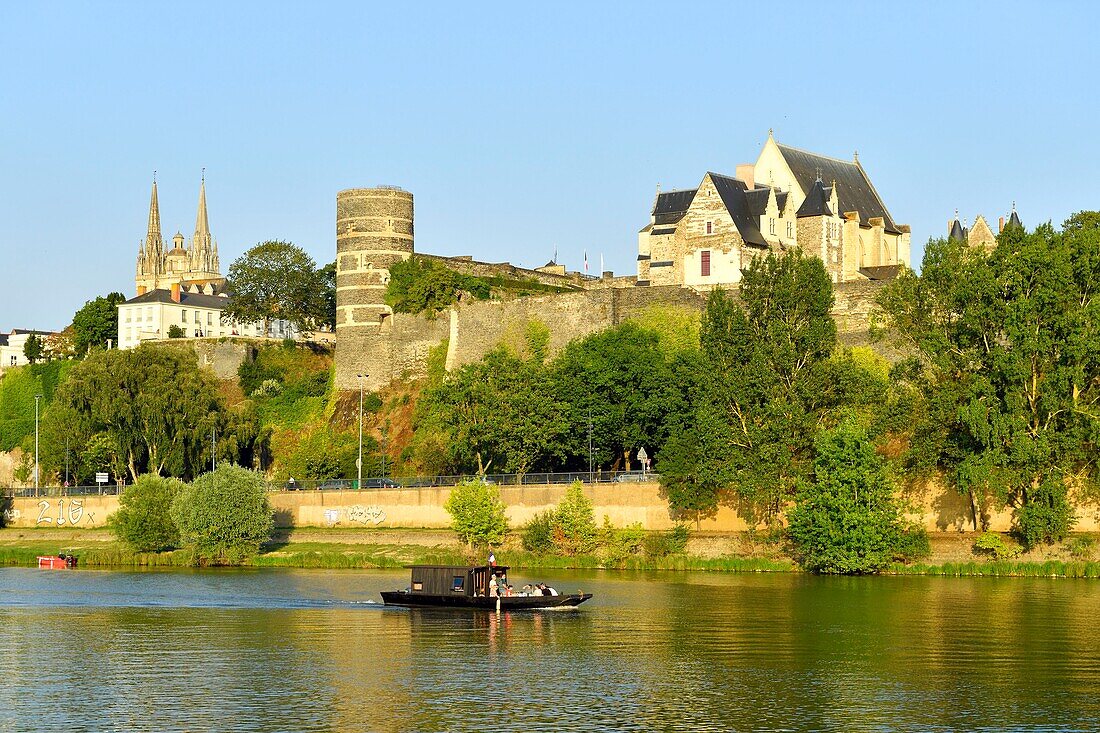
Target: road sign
{"type": "Point", "coordinates": [642, 455]}
{"type": "Point", "coordinates": [101, 478]}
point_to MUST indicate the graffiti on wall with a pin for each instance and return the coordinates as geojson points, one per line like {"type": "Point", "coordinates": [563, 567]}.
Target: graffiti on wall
{"type": "Point", "coordinates": [71, 513]}
{"type": "Point", "coordinates": [366, 514]}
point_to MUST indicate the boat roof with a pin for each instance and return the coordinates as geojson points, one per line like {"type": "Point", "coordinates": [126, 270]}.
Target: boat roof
{"type": "Point", "coordinates": [457, 567]}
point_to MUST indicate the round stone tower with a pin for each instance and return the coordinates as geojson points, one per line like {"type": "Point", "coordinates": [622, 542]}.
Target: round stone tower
{"type": "Point", "coordinates": [374, 230]}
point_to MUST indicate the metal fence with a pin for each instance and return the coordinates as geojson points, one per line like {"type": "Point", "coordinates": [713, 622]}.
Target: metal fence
{"type": "Point", "coordinates": [375, 483]}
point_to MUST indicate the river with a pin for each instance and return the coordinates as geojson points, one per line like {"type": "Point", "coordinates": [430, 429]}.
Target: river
{"type": "Point", "coordinates": [311, 650]}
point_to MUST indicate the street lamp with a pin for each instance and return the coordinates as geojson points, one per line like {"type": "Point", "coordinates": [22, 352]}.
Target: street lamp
{"type": "Point", "coordinates": [359, 463]}
{"type": "Point", "coordinates": [37, 397]}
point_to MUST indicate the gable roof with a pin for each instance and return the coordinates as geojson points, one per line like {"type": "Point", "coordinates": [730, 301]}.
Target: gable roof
{"type": "Point", "coordinates": [855, 193]}
{"type": "Point", "coordinates": [733, 195]}
{"type": "Point", "coordinates": [671, 206]}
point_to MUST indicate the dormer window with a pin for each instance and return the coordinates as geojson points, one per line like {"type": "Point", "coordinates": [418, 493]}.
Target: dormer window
{"type": "Point", "coordinates": [790, 230]}
{"type": "Point", "coordinates": [771, 226]}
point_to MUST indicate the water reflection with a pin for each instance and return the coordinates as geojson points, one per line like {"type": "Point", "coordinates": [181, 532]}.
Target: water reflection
{"type": "Point", "coordinates": [305, 650]}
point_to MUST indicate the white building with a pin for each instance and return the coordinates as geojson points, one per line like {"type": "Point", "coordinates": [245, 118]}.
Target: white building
{"type": "Point", "coordinates": [12, 344]}
{"type": "Point", "coordinates": [150, 317]}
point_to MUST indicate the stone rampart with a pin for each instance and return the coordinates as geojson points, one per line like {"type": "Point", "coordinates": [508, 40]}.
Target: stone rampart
{"type": "Point", "coordinates": [470, 266]}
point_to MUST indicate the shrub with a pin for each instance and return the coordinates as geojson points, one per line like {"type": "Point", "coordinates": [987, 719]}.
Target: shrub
{"type": "Point", "coordinates": [574, 523]}
{"type": "Point", "coordinates": [269, 388]}
{"type": "Point", "coordinates": [144, 519]}
{"type": "Point", "coordinates": [1081, 547]}
{"type": "Point", "coordinates": [175, 332]}
{"type": "Point", "coordinates": [912, 545]}
{"type": "Point", "coordinates": [224, 516]}
{"type": "Point", "coordinates": [663, 544]}
{"type": "Point", "coordinates": [538, 533]}
{"type": "Point", "coordinates": [846, 521]}
{"type": "Point", "coordinates": [1047, 516]}
{"type": "Point", "coordinates": [477, 513]}
{"type": "Point", "coordinates": [993, 545]}
{"type": "Point", "coordinates": [622, 543]}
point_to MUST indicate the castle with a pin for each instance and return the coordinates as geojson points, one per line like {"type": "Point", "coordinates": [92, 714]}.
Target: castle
{"type": "Point", "coordinates": [696, 239]}
{"type": "Point", "coordinates": [980, 235]}
{"type": "Point", "coordinates": [789, 199]}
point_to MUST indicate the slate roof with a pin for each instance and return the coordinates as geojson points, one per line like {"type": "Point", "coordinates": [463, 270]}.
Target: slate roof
{"type": "Point", "coordinates": [671, 206]}
{"type": "Point", "coordinates": [880, 272]}
{"type": "Point", "coordinates": [666, 230]}
{"type": "Point", "coordinates": [1014, 220]}
{"type": "Point", "coordinates": [195, 300]}
{"type": "Point", "coordinates": [28, 331]}
{"type": "Point", "coordinates": [733, 195]}
{"type": "Point", "coordinates": [855, 193]}
{"type": "Point", "coordinates": [3, 339]}
{"type": "Point", "coordinates": [817, 201]}
{"type": "Point", "coordinates": [958, 233]}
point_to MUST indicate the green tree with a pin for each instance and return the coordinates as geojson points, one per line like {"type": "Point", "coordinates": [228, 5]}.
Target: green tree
{"type": "Point", "coordinates": [575, 531]}
{"type": "Point", "coordinates": [276, 280]}
{"type": "Point", "coordinates": [97, 323]}
{"type": "Point", "coordinates": [499, 412]}
{"type": "Point", "coordinates": [144, 520]}
{"type": "Point", "coordinates": [33, 348]}
{"type": "Point", "coordinates": [768, 385]}
{"type": "Point", "coordinates": [419, 284]}
{"type": "Point", "coordinates": [327, 277]}
{"type": "Point", "coordinates": [477, 513]}
{"type": "Point", "coordinates": [157, 407]}
{"type": "Point", "coordinates": [224, 516]}
{"type": "Point", "coordinates": [845, 519]}
{"type": "Point", "coordinates": [1007, 362]}
{"type": "Point", "coordinates": [175, 331]}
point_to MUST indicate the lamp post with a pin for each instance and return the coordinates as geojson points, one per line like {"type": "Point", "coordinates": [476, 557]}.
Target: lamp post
{"type": "Point", "coordinates": [37, 397]}
{"type": "Point", "coordinates": [359, 463]}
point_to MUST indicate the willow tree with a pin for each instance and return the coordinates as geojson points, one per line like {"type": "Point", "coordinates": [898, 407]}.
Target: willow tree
{"type": "Point", "coordinates": [155, 405]}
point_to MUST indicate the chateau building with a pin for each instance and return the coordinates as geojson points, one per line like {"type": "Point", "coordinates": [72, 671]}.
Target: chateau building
{"type": "Point", "coordinates": [980, 235]}
{"type": "Point", "coordinates": [789, 199]}
{"type": "Point", "coordinates": [182, 287]}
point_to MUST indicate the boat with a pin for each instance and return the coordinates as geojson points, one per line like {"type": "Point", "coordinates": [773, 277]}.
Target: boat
{"type": "Point", "coordinates": [471, 586]}
{"type": "Point", "coordinates": [56, 562]}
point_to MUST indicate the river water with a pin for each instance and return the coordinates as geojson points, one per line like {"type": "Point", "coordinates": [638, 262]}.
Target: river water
{"type": "Point", "coordinates": [311, 650]}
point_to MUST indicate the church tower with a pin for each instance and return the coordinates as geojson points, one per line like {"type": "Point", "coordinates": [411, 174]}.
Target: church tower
{"type": "Point", "coordinates": [150, 259]}
{"type": "Point", "coordinates": [203, 251]}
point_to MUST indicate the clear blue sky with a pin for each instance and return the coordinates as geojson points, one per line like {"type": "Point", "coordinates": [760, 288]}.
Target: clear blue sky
{"type": "Point", "coordinates": [520, 127]}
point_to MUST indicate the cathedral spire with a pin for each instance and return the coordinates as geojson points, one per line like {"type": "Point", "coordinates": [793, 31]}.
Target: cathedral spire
{"type": "Point", "coordinates": [202, 224]}
{"type": "Point", "coordinates": [153, 234]}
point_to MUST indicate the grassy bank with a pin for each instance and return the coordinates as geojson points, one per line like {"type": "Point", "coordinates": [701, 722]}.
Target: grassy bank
{"type": "Point", "coordinates": [395, 548]}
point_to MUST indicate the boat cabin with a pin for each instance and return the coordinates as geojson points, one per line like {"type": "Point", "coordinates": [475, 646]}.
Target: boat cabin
{"type": "Point", "coordinates": [455, 580]}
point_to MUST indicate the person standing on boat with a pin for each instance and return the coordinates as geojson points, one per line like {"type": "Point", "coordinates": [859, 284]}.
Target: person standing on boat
{"type": "Point", "coordinates": [492, 558]}
{"type": "Point", "coordinates": [493, 586]}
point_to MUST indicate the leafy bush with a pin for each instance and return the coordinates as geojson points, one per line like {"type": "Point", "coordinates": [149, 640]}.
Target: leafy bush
{"type": "Point", "coordinates": [176, 332]}
{"type": "Point", "coordinates": [663, 544]}
{"type": "Point", "coordinates": [1047, 517]}
{"type": "Point", "coordinates": [477, 513]}
{"type": "Point", "coordinates": [538, 533]}
{"type": "Point", "coordinates": [144, 519]}
{"type": "Point", "coordinates": [993, 545]}
{"type": "Point", "coordinates": [269, 388]}
{"type": "Point", "coordinates": [1082, 547]}
{"type": "Point", "coordinates": [845, 521]}
{"type": "Point", "coordinates": [575, 530]}
{"type": "Point", "coordinates": [620, 544]}
{"type": "Point", "coordinates": [912, 545]}
{"type": "Point", "coordinates": [224, 516]}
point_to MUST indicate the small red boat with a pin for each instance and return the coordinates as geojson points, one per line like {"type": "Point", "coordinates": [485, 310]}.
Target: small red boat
{"type": "Point", "coordinates": [56, 562]}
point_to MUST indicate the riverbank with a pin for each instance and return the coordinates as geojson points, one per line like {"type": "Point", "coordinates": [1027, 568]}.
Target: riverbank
{"type": "Point", "coordinates": [952, 554]}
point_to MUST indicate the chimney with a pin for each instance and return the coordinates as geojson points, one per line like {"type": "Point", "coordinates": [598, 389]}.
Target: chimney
{"type": "Point", "coordinates": [141, 288]}
{"type": "Point", "coordinates": [1000, 225]}
{"type": "Point", "coordinates": [746, 172]}
{"type": "Point", "coordinates": [175, 292]}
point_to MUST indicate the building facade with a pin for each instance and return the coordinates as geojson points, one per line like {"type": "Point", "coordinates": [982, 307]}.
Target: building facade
{"type": "Point", "coordinates": [789, 199]}
{"type": "Point", "coordinates": [12, 346]}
